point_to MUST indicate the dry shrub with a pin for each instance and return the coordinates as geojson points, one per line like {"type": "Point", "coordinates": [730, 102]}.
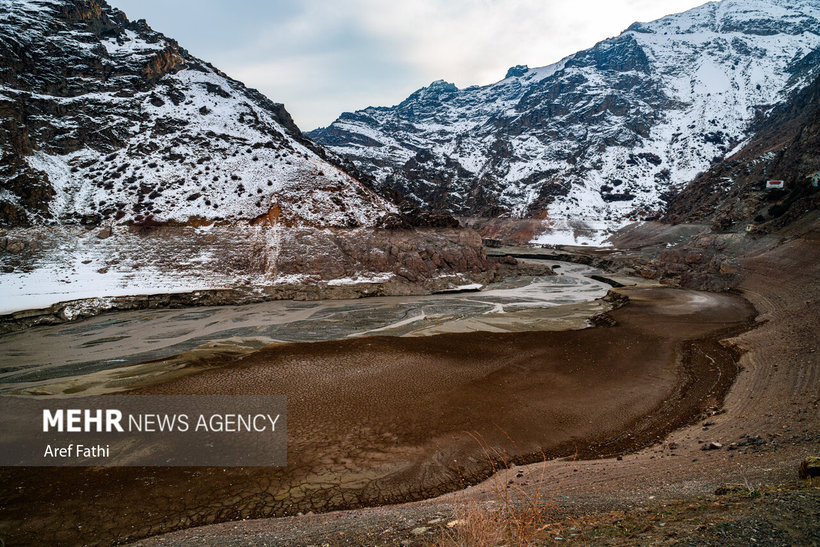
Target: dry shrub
{"type": "Point", "coordinates": [477, 525]}
{"type": "Point", "coordinates": [517, 514]}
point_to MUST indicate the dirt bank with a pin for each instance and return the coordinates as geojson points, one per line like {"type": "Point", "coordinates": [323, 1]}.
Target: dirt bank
{"type": "Point", "coordinates": [63, 273]}
{"type": "Point", "coordinates": [665, 492]}
{"type": "Point", "coordinates": [386, 420]}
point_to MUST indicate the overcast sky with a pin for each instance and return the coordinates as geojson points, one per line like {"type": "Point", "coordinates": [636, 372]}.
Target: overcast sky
{"type": "Point", "coordinates": [325, 57]}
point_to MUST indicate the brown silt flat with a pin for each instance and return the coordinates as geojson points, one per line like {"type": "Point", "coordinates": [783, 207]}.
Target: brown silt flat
{"type": "Point", "coordinates": [384, 420]}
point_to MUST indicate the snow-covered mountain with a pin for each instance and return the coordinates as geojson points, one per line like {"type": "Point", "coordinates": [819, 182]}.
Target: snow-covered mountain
{"type": "Point", "coordinates": [128, 168]}
{"type": "Point", "coordinates": [103, 119]}
{"type": "Point", "coordinates": [732, 194]}
{"type": "Point", "coordinates": [601, 136]}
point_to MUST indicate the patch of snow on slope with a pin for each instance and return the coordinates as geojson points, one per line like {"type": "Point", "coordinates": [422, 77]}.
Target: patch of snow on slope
{"type": "Point", "coordinates": [602, 135]}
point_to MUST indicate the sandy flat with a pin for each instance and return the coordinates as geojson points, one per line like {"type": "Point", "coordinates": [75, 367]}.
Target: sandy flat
{"type": "Point", "coordinates": [385, 420]}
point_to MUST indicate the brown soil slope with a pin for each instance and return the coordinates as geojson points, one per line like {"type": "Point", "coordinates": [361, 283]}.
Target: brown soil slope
{"type": "Point", "coordinates": [386, 420]}
{"type": "Point", "coordinates": [663, 493]}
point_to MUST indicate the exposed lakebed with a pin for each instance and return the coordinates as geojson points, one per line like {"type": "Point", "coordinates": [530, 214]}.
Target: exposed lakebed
{"type": "Point", "coordinates": [390, 400]}
{"type": "Point", "coordinates": [385, 419]}
{"type": "Point", "coordinates": [123, 350]}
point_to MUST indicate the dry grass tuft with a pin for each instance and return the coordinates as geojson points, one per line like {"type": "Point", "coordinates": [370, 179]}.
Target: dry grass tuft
{"type": "Point", "coordinates": [523, 511]}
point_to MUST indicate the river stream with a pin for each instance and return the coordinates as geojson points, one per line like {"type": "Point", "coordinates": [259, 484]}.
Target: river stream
{"type": "Point", "coordinates": [121, 350]}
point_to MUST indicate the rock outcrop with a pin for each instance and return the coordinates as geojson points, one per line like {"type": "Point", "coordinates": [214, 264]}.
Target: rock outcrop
{"type": "Point", "coordinates": [606, 134]}
{"type": "Point", "coordinates": [54, 275]}
{"type": "Point", "coordinates": [103, 119]}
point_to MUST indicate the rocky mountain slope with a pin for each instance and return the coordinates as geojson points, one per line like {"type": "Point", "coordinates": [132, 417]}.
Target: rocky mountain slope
{"type": "Point", "coordinates": [129, 167]}
{"type": "Point", "coordinates": [732, 194]}
{"type": "Point", "coordinates": [102, 118]}
{"type": "Point", "coordinates": [601, 136]}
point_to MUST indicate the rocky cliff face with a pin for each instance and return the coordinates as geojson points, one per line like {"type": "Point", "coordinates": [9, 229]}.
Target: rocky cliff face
{"type": "Point", "coordinates": [732, 194]}
{"type": "Point", "coordinates": [103, 119]}
{"type": "Point", "coordinates": [41, 266]}
{"type": "Point", "coordinates": [129, 167]}
{"type": "Point", "coordinates": [606, 134]}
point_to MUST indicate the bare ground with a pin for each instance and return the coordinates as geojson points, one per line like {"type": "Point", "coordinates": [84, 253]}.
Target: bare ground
{"type": "Point", "coordinates": [770, 414]}
{"type": "Point", "coordinates": [672, 492]}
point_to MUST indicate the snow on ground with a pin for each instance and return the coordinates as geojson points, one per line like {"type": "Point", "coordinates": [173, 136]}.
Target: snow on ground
{"type": "Point", "coordinates": [628, 134]}
{"type": "Point", "coordinates": [44, 287]}
{"type": "Point", "coordinates": [64, 263]}
{"type": "Point", "coordinates": [72, 264]}
{"type": "Point", "coordinates": [578, 232]}
{"type": "Point", "coordinates": [361, 278]}
{"type": "Point", "coordinates": [468, 287]}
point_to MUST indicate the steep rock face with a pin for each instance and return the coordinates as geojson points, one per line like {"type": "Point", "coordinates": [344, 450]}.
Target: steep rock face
{"type": "Point", "coordinates": [44, 265]}
{"type": "Point", "coordinates": [605, 134]}
{"type": "Point", "coordinates": [733, 193]}
{"type": "Point", "coordinates": [103, 119]}
{"type": "Point", "coordinates": [200, 183]}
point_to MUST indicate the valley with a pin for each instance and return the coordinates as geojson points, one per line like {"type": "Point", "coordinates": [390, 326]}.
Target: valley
{"type": "Point", "coordinates": [444, 402]}
{"type": "Point", "coordinates": [577, 305]}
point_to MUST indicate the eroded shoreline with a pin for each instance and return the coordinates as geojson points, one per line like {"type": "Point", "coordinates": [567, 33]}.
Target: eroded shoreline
{"type": "Point", "coordinates": [126, 350]}
{"type": "Point", "coordinates": [401, 409]}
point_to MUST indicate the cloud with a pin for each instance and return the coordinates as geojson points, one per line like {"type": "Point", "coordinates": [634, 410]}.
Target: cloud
{"type": "Point", "coordinates": [475, 41]}
{"type": "Point", "coordinates": [323, 57]}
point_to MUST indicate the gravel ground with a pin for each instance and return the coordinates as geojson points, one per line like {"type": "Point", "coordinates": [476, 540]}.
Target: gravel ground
{"type": "Point", "coordinates": [662, 494]}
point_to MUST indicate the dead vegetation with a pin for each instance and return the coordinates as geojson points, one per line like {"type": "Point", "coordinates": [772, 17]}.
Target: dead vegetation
{"type": "Point", "coordinates": [524, 509]}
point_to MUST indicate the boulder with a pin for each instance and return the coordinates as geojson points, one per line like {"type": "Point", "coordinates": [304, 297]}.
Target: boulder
{"type": "Point", "coordinates": [15, 246]}
{"type": "Point", "coordinates": [809, 467]}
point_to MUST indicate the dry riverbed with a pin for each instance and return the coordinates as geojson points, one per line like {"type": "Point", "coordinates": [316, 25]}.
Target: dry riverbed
{"type": "Point", "coordinates": [381, 419]}
{"type": "Point", "coordinates": [670, 492]}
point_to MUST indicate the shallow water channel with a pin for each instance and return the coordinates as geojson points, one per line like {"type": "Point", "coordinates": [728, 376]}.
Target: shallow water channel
{"type": "Point", "coordinates": [70, 358]}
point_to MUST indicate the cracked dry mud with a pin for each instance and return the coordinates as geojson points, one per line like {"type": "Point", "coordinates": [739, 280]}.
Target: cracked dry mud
{"type": "Point", "coordinates": [385, 420]}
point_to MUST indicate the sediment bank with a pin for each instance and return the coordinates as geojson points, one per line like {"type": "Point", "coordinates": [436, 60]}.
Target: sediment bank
{"type": "Point", "coordinates": [385, 420]}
